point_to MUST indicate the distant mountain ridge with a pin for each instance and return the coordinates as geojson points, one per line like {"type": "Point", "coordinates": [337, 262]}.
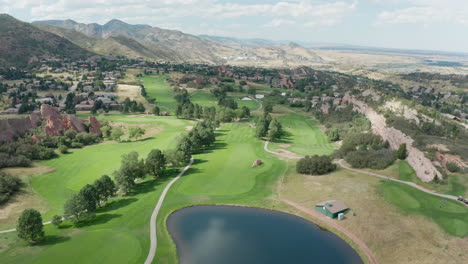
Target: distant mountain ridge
{"type": "Point", "coordinates": [22, 44]}
{"type": "Point", "coordinates": [171, 45]}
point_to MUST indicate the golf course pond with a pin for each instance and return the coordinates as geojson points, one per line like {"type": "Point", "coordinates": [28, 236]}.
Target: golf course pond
{"type": "Point", "coordinates": [231, 234]}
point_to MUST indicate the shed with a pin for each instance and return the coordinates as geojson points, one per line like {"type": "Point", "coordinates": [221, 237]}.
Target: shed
{"type": "Point", "coordinates": [331, 208]}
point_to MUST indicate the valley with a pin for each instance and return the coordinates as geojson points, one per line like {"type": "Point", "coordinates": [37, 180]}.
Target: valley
{"type": "Point", "coordinates": [117, 135]}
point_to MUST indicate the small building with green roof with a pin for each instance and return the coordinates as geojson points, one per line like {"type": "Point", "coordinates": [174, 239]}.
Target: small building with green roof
{"type": "Point", "coordinates": [331, 208]}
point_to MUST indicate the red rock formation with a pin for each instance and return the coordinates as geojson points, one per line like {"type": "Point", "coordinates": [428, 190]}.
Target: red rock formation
{"type": "Point", "coordinates": [56, 124]}
{"type": "Point", "coordinates": [16, 127]}
{"type": "Point", "coordinates": [94, 126]}
{"type": "Point", "coordinates": [287, 83]}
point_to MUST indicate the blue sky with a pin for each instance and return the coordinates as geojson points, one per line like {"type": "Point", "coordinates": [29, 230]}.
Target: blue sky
{"type": "Point", "coordinates": [413, 24]}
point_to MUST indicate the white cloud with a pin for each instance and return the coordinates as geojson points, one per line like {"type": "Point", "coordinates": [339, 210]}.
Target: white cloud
{"type": "Point", "coordinates": [312, 11]}
{"type": "Point", "coordinates": [426, 12]}
{"type": "Point", "coordinates": [280, 22]}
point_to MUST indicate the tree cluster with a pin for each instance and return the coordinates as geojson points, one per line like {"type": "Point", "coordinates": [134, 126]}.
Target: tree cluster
{"type": "Point", "coordinates": [83, 205]}
{"type": "Point", "coordinates": [315, 165]}
{"type": "Point", "coordinates": [201, 136]}
{"type": "Point", "coordinates": [366, 150]}
{"type": "Point", "coordinates": [130, 106]}
{"type": "Point", "coordinates": [266, 126]}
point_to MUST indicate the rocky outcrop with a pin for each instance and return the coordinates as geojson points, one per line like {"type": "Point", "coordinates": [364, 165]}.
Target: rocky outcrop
{"type": "Point", "coordinates": [56, 124]}
{"type": "Point", "coordinates": [12, 128]}
{"type": "Point", "coordinates": [423, 167]}
{"type": "Point", "coordinates": [94, 126]}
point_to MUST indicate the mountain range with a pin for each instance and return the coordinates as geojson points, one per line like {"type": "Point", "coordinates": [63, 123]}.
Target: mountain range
{"type": "Point", "coordinates": [22, 44]}
{"type": "Point", "coordinates": [119, 38]}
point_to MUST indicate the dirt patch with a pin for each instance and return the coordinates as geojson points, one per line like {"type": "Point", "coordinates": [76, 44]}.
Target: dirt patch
{"type": "Point", "coordinates": [189, 128]}
{"type": "Point", "coordinates": [150, 129]}
{"type": "Point", "coordinates": [445, 158]}
{"type": "Point", "coordinates": [26, 198]}
{"type": "Point", "coordinates": [192, 122]}
{"type": "Point", "coordinates": [439, 147]}
{"type": "Point", "coordinates": [284, 146]}
{"type": "Point", "coordinates": [133, 92]}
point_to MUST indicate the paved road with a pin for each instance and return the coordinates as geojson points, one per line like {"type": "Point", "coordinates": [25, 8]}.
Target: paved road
{"type": "Point", "coordinates": [341, 163]}
{"type": "Point", "coordinates": [154, 216]}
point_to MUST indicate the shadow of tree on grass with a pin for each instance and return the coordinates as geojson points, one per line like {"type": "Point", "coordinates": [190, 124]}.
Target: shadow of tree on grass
{"type": "Point", "coordinates": [97, 220]}
{"type": "Point", "coordinates": [51, 240]}
{"type": "Point", "coordinates": [116, 204]}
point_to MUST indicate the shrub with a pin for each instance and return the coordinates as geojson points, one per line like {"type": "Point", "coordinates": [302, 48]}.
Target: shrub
{"type": "Point", "coordinates": [401, 152]}
{"type": "Point", "coordinates": [76, 145]}
{"type": "Point", "coordinates": [56, 220]}
{"type": "Point", "coordinates": [373, 159]}
{"type": "Point", "coordinates": [63, 149]}
{"type": "Point", "coordinates": [317, 165]}
{"type": "Point", "coordinates": [8, 186]}
{"type": "Point", "coordinates": [452, 167]}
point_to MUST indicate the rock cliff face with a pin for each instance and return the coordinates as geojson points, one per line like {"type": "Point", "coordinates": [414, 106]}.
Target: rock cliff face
{"type": "Point", "coordinates": [12, 128]}
{"type": "Point", "coordinates": [55, 124]}
{"type": "Point", "coordinates": [423, 167]}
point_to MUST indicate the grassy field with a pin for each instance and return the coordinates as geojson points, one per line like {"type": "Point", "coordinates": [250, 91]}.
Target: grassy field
{"type": "Point", "coordinates": [393, 235]}
{"type": "Point", "coordinates": [219, 175]}
{"type": "Point", "coordinates": [303, 136]}
{"type": "Point", "coordinates": [456, 184]}
{"type": "Point", "coordinates": [223, 175]}
{"type": "Point", "coordinates": [122, 221]}
{"type": "Point", "coordinates": [157, 87]}
{"type": "Point", "coordinates": [450, 215]}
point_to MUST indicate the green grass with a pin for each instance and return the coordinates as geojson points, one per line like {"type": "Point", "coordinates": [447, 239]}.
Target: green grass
{"type": "Point", "coordinates": [119, 233]}
{"type": "Point", "coordinates": [406, 172]}
{"type": "Point", "coordinates": [455, 184]}
{"type": "Point", "coordinates": [203, 98]}
{"type": "Point", "coordinates": [304, 136]}
{"type": "Point", "coordinates": [222, 176]}
{"type": "Point", "coordinates": [157, 87]}
{"type": "Point", "coordinates": [450, 216]}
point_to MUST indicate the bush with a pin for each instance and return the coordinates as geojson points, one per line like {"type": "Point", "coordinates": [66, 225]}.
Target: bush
{"type": "Point", "coordinates": [56, 220]}
{"type": "Point", "coordinates": [76, 145]}
{"type": "Point", "coordinates": [373, 159]}
{"type": "Point", "coordinates": [317, 165]}
{"type": "Point", "coordinates": [8, 186]}
{"type": "Point", "coordinates": [452, 167]}
{"type": "Point", "coordinates": [63, 149]}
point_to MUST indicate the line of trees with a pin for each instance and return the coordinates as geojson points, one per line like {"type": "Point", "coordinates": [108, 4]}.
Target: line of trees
{"type": "Point", "coordinates": [83, 205]}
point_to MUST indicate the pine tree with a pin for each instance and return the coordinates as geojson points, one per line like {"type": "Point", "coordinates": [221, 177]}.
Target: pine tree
{"type": "Point", "coordinates": [401, 152]}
